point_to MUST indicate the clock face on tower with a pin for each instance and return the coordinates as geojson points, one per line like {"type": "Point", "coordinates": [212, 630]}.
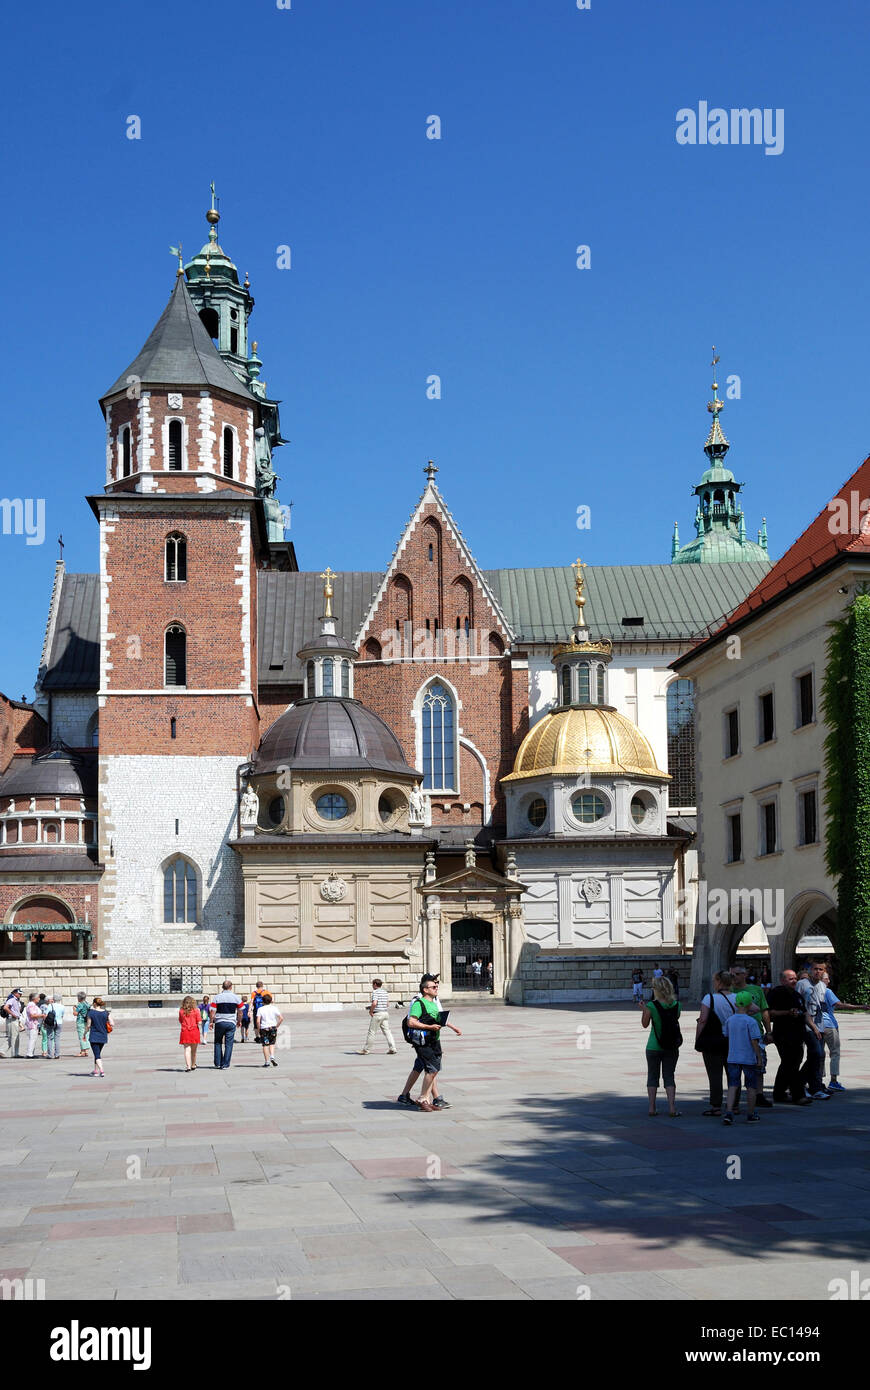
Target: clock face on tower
{"type": "Point", "coordinates": [174, 400]}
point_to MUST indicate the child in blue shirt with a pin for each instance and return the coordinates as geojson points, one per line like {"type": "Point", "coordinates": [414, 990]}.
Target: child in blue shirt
{"type": "Point", "coordinates": [744, 1057]}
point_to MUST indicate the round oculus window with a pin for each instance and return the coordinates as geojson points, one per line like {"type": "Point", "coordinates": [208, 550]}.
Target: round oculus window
{"type": "Point", "coordinates": [537, 811]}
{"type": "Point", "coordinates": [386, 809]}
{"type": "Point", "coordinates": [641, 809]}
{"type": "Point", "coordinates": [588, 807]}
{"type": "Point", "coordinates": [332, 806]}
{"type": "Point", "coordinates": [276, 810]}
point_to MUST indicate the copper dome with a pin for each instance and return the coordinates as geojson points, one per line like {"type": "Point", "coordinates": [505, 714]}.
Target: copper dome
{"type": "Point", "coordinates": [331, 734]}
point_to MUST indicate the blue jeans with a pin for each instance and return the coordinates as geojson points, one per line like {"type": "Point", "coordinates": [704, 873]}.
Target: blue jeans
{"type": "Point", "coordinates": [224, 1034]}
{"type": "Point", "coordinates": [54, 1041]}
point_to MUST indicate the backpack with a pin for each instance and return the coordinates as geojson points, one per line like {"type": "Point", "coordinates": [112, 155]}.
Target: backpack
{"type": "Point", "coordinates": [407, 1028]}
{"type": "Point", "coordinates": [668, 1035]}
{"type": "Point", "coordinates": [712, 1036]}
{"type": "Point", "coordinates": [4, 1012]}
{"type": "Point", "coordinates": [50, 1021]}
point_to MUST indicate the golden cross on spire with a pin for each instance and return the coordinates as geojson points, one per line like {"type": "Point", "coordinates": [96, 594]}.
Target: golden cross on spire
{"type": "Point", "coordinates": [327, 576]}
{"type": "Point", "coordinates": [578, 567]}
{"type": "Point", "coordinates": [211, 186]}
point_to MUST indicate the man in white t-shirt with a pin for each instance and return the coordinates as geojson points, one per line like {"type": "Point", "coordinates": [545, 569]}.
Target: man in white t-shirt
{"type": "Point", "coordinates": [269, 1020]}
{"type": "Point", "coordinates": [379, 1019]}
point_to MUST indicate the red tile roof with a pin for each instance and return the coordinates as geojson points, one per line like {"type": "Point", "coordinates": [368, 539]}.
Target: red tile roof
{"type": "Point", "coordinates": [835, 532]}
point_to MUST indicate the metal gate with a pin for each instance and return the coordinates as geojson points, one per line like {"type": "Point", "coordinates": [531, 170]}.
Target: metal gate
{"type": "Point", "coordinates": [155, 979]}
{"type": "Point", "coordinates": [463, 954]}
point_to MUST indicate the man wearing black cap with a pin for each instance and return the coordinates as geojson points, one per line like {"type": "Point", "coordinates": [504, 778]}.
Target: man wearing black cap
{"type": "Point", "coordinates": [12, 1020]}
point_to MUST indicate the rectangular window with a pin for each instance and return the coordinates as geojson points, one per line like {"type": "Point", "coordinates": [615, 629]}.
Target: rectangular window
{"type": "Point", "coordinates": [768, 828]}
{"type": "Point", "coordinates": [806, 711]}
{"type": "Point", "coordinates": [734, 837]}
{"type": "Point", "coordinates": [808, 820]}
{"type": "Point", "coordinates": [765, 717]}
{"type": "Point", "coordinates": [732, 734]}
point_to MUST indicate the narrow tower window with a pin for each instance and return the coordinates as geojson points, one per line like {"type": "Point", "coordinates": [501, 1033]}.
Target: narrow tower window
{"type": "Point", "coordinates": [172, 723]}
{"type": "Point", "coordinates": [309, 674]}
{"type": "Point", "coordinates": [345, 678]}
{"type": "Point", "coordinates": [228, 452]}
{"type": "Point", "coordinates": [175, 643]}
{"type": "Point", "coordinates": [174, 461]}
{"type": "Point", "coordinates": [327, 676]}
{"type": "Point", "coordinates": [566, 685]}
{"type": "Point", "coordinates": [176, 558]}
{"type": "Point", "coordinates": [126, 457]}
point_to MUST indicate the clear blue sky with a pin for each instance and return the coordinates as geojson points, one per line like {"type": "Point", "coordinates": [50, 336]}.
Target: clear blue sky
{"type": "Point", "coordinates": [412, 256]}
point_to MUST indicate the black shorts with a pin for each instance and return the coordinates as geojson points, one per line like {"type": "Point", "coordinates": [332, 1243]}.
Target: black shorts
{"type": "Point", "coordinates": [268, 1036]}
{"type": "Point", "coordinates": [429, 1056]}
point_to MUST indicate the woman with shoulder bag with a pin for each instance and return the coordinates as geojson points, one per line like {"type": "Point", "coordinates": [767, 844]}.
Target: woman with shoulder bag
{"type": "Point", "coordinates": [99, 1028]}
{"type": "Point", "coordinates": [661, 1016]}
{"type": "Point", "coordinates": [716, 1008]}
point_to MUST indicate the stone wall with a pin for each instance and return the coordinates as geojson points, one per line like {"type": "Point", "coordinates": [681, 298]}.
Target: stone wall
{"type": "Point", "coordinates": [579, 977]}
{"type": "Point", "coordinates": [305, 984]}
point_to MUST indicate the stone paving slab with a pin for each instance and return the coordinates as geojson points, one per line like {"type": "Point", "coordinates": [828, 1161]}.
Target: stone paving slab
{"type": "Point", "coordinates": [544, 1179]}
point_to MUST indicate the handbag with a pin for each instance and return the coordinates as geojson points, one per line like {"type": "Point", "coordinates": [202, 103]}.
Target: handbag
{"type": "Point", "coordinates": [109, 1026]}
{"type": "Point", "coordinates": [711, 1037]}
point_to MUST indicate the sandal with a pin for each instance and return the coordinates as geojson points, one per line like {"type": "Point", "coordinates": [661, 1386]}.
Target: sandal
{"type": "Point", "coordinates": [711, 1111]}
{"type": "Point", "coordinates": [674, 1114]}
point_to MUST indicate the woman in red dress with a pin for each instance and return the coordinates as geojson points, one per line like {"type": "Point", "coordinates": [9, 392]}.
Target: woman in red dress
{"type": "Point", "coordinates": [188, 1017]}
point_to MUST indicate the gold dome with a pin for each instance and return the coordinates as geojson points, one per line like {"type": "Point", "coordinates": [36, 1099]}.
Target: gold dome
{"type": "Point", "coordinates": [589, 738]}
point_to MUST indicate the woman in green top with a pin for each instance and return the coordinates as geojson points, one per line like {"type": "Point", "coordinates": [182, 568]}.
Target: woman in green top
{"type": "Point", "coordinates": [660, 1015]}
{"type": "Point", "coordinates": [82, 1007]}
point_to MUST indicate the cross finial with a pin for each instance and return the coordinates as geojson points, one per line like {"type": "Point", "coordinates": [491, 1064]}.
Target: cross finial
{"type": "Point", "coordinates": [211, 186]}
{"type": "Point", "coordinates": [60, 543]}
{"type": "Point", "coordinates": [430, 470]}
{"type": "Point", "coordinates": [578, 567]}
{"type": "Point", "coordinates": [327, 576]}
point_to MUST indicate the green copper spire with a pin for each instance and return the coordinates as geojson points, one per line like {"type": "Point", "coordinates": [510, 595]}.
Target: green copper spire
{"type": "Point", "coordinates": [720, 525]}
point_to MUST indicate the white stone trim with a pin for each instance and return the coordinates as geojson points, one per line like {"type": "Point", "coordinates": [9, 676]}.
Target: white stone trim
{"type": "Point", "coordinates": [243, 580]}
{"type": "Point", "coordinates": [145, 446]}
{"type": "Point", "coordinates": [109, 515]}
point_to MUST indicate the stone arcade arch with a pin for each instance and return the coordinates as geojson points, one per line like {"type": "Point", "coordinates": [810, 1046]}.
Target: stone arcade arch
{"type": "Point", "coordinates": [715, 947]}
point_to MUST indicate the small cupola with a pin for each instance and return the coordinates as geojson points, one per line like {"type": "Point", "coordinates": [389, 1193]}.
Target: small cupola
{"type": "Point", "coordinates": [328, 660]}
{"type": "Point", "coordinates": [581, 664]}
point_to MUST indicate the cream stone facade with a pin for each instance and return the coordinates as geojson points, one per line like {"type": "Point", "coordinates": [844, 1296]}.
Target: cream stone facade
{"type": "Point", "coordinates": [793, 895]}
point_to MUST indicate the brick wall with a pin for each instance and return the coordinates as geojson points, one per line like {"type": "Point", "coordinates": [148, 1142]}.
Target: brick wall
{"type": "Point", "coordinates": [19, 728]}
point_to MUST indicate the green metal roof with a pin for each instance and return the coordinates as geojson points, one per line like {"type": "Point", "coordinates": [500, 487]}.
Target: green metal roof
{"type": "Point", "coordinates": [676, 602]}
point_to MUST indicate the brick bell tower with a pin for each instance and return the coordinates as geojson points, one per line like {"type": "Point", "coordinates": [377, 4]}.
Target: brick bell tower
{"type": "Point", "coordinates": [183, 530]}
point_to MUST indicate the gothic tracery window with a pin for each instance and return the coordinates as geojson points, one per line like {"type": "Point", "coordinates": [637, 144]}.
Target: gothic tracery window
{"type": "Point", "coordinates": [439, 737]}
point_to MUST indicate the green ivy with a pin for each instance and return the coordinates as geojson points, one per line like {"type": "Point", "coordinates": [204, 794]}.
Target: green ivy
{"type": "Point", "coordinates": [846, 710]}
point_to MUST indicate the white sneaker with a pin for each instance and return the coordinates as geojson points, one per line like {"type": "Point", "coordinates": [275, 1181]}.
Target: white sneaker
{"type": "Point", "coordinates": [821, 1095]}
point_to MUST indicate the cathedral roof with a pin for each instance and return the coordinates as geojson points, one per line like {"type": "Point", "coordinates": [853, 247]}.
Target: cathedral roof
{"type": "Point", "coordinates": [55, 771]}
{"type": "Point", "coordinates": [586, 738]}
{"type": "Point", "coordinates": [676, 603]}
{"type": "Point", "coordinates": [331, 734]}
{"type": "Point", "coordinates": [179, 352]}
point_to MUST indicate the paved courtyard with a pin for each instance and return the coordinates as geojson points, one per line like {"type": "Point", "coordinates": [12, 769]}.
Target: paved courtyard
{"type": "Point", "coordinates": [544, 1181]}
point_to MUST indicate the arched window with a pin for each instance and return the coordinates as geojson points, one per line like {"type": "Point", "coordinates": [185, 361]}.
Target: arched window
{"type": "Point", "coordinates": [126, 453]}
{"type": "Point", "coordinates": [175, 445]}
{"type": "Point", "coordinates": [599, 685]}
{"type": "Point", "coordinates": [566, 684]}
{"type": "Point", "coordinates": [373, 649]}
{"type": "Point", "coordinates": [583, 682]}
{"type": "Point", "coordinates": [92, 733]}
{"type": "Point", "coordinates": [179, 891]}
{"type": "Point", "coordinates": [328, 672]}
{"type": "Point", "coordinates": [228, 452]}
{"type": "Point", "coordinates": [176, 558]}
{"type": "Point", "coordinates": [211, 322]}
{"type": "Point", "coordinates": [681, 742]}
{"type": "Point", "coordinates": [51, 833]}
{"type": "Point", "coordinates": [439, 738]}
{"type": "Point", "coordinates": [309, 679]}
{"type": "Point", "coordinates": [401, 601]}
{"type": "Point", "coordinates": [345, 678]}
{"type": "Point", "coordinates": [175, 664]}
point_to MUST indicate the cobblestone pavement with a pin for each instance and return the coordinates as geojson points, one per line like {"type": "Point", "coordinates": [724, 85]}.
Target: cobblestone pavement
{"type": "Point", "coordinates": [545, 1180]}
